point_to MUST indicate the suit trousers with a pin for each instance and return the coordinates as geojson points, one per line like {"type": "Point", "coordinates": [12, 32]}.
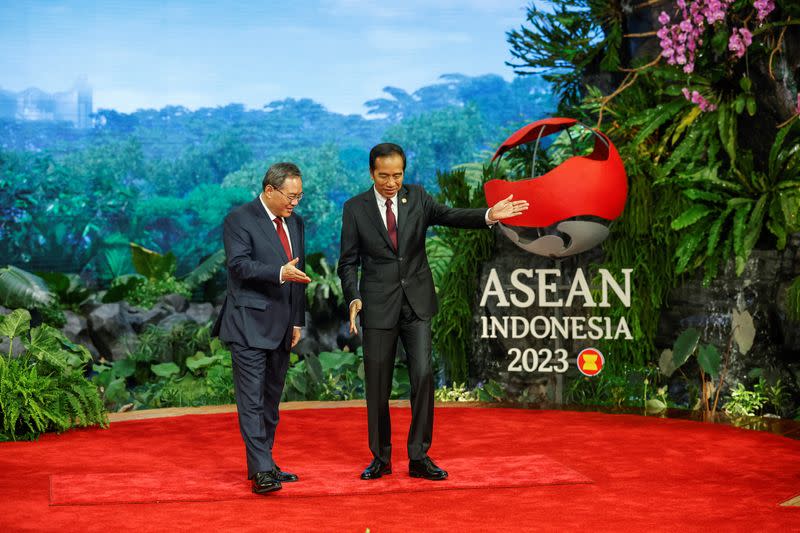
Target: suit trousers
{"type": "Point", "coordinates": [380, 347]}
{"type": "Point", "coordinates": [258, 377]}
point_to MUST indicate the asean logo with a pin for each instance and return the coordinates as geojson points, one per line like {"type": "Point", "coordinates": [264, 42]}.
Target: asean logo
{"type": "Point", "coordinates": [590, 362]}
{"type": "Point", "coordinates": [570, 205]}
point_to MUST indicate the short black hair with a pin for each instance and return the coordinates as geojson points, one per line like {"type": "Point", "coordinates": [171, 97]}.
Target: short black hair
{"type": "Point", "coordinates": [277, 174]}
{"type": "Point", "coordinates": [383, 150]}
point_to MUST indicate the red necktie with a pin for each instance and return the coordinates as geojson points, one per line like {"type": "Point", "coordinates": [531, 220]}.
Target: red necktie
{"type": "Point", "coordinates": [282, 236]}
{"type": "Point", "coordinates": [391, 224]}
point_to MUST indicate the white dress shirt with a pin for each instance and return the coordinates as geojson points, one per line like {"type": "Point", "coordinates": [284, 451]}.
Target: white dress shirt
{"type": "Point", "coordinates": [285, 230]}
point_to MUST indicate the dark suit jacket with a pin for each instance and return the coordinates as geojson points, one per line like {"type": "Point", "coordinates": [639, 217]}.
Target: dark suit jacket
{"type": "Point", "coordinates": [259, 311]}
{"type": "Point", "coordinates": [385, 274]}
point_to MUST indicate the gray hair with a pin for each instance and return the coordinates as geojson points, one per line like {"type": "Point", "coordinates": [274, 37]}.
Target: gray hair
{"type": "Point", "coordinates": [277, 174]}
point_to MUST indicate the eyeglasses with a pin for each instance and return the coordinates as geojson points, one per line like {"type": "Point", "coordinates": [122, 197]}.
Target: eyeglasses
{"type": "Point", "coordinates": [291, 197]}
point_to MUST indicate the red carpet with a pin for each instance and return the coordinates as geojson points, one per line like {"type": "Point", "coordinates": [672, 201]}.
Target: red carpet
{"type": "Point", "coordinates": [322, 479]}
{"type": "Point", "coordinates": [614, 472]}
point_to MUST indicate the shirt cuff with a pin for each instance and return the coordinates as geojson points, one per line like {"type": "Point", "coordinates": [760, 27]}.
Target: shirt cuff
{"type": "Point", "coordinates": [489, 222]}
{"type": "Point", "coordinates": [280, 275]}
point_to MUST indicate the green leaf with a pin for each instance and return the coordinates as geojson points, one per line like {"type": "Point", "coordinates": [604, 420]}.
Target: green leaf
{"type": "Point", "coordinates": [727, 123]}
{"type": "Point", "coordinates": [719, 39]}
{"type": "Point", "coordinates": [690, 216]}
{"type": "Point", "coordinates": [709, 359]}
{"type": "Point", "coordinates": [122, 287]}
{"type": "Point", "coordinates": [745, 83]}
{"type": "Point", "coordinates": [685, 346]}
{"type": "Point", "coordinates": [744, 330]}
{"type": "Point", "coordinates": [790, 205]}
{"type": "Point", "coordinates": [697, 194]}
{"type": "Point", "coordinates": [751, 105]}
{"type": "Point", "coordinates": [199, 360]}
{"type": "Point", "coordinates": [165, 370]}
{"type": "Point", "coordinates": [45, 345]}
{"type": "Point", "coordinates": [206, 270]}
{"type": "Point", "coordinates": [19, 288]}
{"type": "Point", "coordinates": [738, 104]}
{"type": "Point", "coordinates": [314, 367]}
{"type": "Point", "coordinates": [16, 323]}
{"type": "Point", "coordinates": [687, 248]}
{"type": "Point", "coordinates": [666, 363]}
{"type": "Point", "coordinates": [740, 254]}
{"type": "Point", "coordinates": [655, 406]}
{"type": "Point", "coordinates": [755, 224]}
{"type": "Point", "coordinates": [334, 361]}
{"type": "Point", "coordinates": [714, 233]}
{"type": "Point", "coordinates": [656, 118]}
{"type": "Point", "coordinates": [124, 368]}
{"type": "Point", "coordinates": [151, 264]}
{"type": "Point", "coordinates": [116, 391]}
{"type": "Point", "coordinates": [775, 151]}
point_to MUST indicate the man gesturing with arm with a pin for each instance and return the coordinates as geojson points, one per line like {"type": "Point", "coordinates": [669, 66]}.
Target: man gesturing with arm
{"type": "Point", "coordinates": [383, 236]}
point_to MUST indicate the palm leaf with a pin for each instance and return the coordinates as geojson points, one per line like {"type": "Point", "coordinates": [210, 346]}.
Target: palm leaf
{"type": "Point", "coordinates": [19, 288]}
{"type": "Point", "coordinates": [206, 270]}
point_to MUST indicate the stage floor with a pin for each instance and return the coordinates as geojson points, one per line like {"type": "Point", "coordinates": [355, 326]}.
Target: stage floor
{"type": "Point", "coordinates": [510, 470]}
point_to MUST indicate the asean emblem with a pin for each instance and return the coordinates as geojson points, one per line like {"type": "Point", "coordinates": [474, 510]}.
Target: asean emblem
{"type": "Point", "coordinates": [572, 204]}
{"type": "Point", "coordinates": [590, 362]}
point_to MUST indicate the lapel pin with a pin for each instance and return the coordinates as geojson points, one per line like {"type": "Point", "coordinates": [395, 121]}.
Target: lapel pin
{"type": "Point", "coordinates": [404, 200]}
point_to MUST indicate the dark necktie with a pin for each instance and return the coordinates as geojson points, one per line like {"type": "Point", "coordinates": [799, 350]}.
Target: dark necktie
{"type": "Point", "coordinates": [282, 236]}
{"type": "Point", "coordinates": [391, 224]}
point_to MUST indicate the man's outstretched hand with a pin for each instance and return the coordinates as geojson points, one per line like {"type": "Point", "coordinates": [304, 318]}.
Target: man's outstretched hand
{"type": "Point", "coordinates": [507, 208]}
{"type": "Point", "coordinates": [355, 308]}
{"type": "Point", "coordinates": [292, 273]}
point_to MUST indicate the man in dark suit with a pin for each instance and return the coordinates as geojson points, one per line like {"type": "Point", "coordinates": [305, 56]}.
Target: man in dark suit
{"type": "Point", "coordinates": [263, 311]}
{"type": "Point", "coordinates": [383, 234]}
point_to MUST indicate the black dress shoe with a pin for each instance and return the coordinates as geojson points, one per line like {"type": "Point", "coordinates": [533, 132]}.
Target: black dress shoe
{"type": "Point", "coordinates": [264, 482]}
{"type": "Point", "coordinates": [282, 476]}
{"type": "Point", "coordinates": [425, 468]}
{"type": "Point", "coordinates": [376, 469]}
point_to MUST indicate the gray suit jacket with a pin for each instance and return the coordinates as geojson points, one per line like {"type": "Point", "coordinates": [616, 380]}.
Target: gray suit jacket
{"type": "Point", "coordinates": [259, 311]}
{"type": "Point", "coordinates": [387, 275]}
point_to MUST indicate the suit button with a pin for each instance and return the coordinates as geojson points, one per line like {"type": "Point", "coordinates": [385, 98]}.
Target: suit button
{"type": "Point", "coordinates": [400, 258]}
{"type": "Point", "coordinates": [402, 281]}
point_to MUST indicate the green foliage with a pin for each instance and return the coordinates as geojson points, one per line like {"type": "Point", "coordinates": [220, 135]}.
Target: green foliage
{"type": "Point", "coordinates": [19, 288]}
{"type": "Point", "coordinates": [69, 289]}
{"type": "Point", "coordinates": [566, 40]}
{"type": "Point", "coordinates": [743, 402]}
{"type": "Point", "coordinates": [619, 385]}
{"type": "Point", "coordinates": [177, 368]}
{"type": "Point", "coordinates": [337, 375]}
{"type": "Point", "coordinates": [156, 277]}
{"type": "Point", "coordinates": [439, 257]}
{"type": "Point", "coordinates": [728, 215]}
{"type": "Point", "coordinates": [324, 292]}
{"type": "Point", "coordinates": [205, 270]}
{"type": "Point", "coordinates": [147, 293]}
{"type": "Point", "coordinates": [452, 325]}
{"type": "Point", "coordinates": [44, 389]}
{"type": "Point", "coordinates": [701, 192]}
{"type": "Point", "coordinates": [491, 391]}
